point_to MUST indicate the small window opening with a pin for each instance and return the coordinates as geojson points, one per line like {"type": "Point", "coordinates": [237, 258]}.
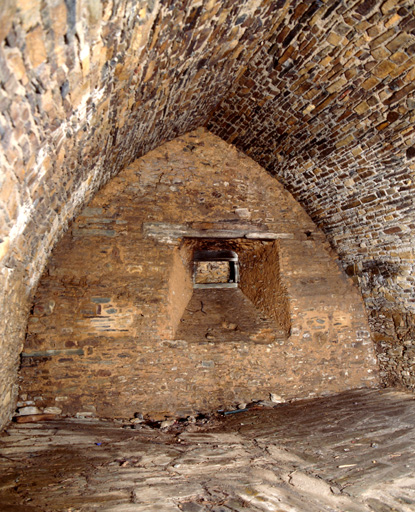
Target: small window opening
{"type": "Point", "coordinates": [215, 269]}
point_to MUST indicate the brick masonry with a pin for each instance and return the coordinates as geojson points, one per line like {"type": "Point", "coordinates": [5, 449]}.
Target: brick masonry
{"type": "Point", "coordinates": [319, 93]}
{"type": "Point", "coordinates": [102, 334]}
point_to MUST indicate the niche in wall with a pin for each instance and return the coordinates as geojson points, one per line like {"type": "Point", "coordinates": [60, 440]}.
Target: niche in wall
{"type": "Point", "coordinates": [221, 309]}
{"type": "Point", "coordinates": [249, 264]}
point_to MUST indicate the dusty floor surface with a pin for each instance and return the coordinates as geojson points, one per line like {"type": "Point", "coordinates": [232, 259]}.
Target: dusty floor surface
{"type": "Point", "coordinates": [226, 315]}
{"type": "Point", "coordinates": [350, 452]}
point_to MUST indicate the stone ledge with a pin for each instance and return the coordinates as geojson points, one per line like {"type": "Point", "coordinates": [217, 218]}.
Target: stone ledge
{"type": "Point", "coordinates": [169, 233]}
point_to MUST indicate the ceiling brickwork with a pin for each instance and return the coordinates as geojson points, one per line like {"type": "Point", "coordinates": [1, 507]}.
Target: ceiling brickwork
{"type": "Point", "coordinates": [327, 106]}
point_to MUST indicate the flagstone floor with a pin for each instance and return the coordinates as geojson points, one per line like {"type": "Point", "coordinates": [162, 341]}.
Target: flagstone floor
{"type": "Point", "coordinates": [352, 452]}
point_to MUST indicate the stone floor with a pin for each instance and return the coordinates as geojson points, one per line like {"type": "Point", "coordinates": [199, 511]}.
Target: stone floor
{"type": "Point", "coordinates": [351, 452]}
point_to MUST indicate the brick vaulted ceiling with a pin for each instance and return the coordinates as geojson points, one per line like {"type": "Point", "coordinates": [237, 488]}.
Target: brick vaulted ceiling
{"type": "Point", "coordinates": [320, 93]}
{"type": "Point", "coordinates": [327, 106]}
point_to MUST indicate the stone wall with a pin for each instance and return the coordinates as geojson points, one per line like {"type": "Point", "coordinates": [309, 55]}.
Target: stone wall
{"type": "Point", "coordinates": [394, 334]}
{"type": "Point", "coordinates": [101, 336]}
{"type": "Point", "coordinates": [261, 282]}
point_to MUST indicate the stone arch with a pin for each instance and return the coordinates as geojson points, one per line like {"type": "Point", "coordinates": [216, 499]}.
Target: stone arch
{"type": "Point", "coordinates": [106, 333]}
